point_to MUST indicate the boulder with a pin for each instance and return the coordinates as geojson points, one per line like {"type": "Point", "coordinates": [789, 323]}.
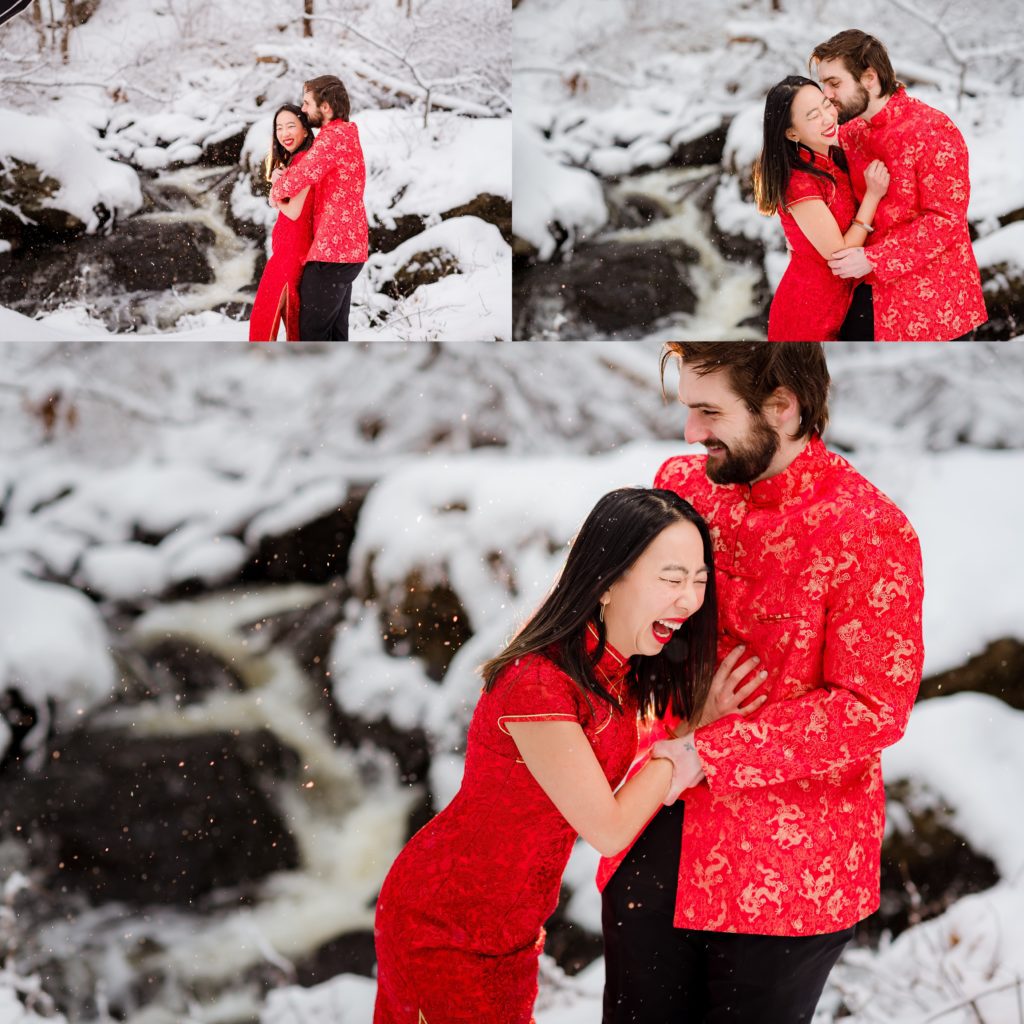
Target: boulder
{"type": "Point", "coordinates": [424, 268]}
{"type": "Point", "coordinates": [152, 819]}
{"type": "Point", "coordinates": [998, 671]}
{"type": "Point", "coordinates": [703, 150]}
{"type": "Point", "coordinates": [926, 865]}
{"type": "Point", "coordinates": [609, 288]}
{"type": "Point", "coordinates": [1003, 285]}
{"type": "Point", "coordinates": [496, 210]}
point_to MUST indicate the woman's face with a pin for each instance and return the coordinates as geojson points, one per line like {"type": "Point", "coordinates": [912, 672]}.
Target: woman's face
{"type": "Point", "coordinates": [814, 121]}
{"type": "Point", "coordinates": [289, 131]}
{"type": "Point", "coordinates": [658, 593]}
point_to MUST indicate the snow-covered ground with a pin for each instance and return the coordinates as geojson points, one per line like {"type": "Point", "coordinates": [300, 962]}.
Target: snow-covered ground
{"type": "Point", "coordinates": [123, 491]}
{"type": "Point", "coordinates": [152, 87]}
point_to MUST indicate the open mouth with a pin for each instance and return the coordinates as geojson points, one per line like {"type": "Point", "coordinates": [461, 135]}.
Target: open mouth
{"type": "Point", "coordinates": [664, 629]}
{"type": "Point", "coordinates": [830, 132]}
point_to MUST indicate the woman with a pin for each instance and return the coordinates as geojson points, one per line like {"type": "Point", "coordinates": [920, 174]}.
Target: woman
{"type": "Point", "coordinates": [278, 292]}
{"type": "Point", "coordinates": [628, 628]}
{"type": "Point", "coordinates": [802, 175]}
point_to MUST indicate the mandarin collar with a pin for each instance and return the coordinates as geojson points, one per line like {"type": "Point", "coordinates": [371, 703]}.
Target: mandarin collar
{"type": "Point", "coordinates": [796, 479]}
{"type": "Point", "coordinates": [893, 109]}
{"type": "Point", "coordinates": [613, 665]}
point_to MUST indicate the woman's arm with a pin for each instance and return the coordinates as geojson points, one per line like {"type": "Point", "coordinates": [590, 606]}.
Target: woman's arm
{"type": "Point", "coordinates": [815, 219]}
{"type": "Point", "coordinates": [293, 208]}
{"type": "Point", "coordinates": [559, 756]}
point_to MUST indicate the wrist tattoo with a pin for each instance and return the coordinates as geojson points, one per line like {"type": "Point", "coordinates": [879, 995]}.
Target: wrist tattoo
{"type": "Point", "coordinates": [688, 746]}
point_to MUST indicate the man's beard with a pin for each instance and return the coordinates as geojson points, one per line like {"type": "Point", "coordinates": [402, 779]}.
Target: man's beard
{"type": "Point", "coordinates": [315, 119]}
{"type": "Point", "coordinates": [855, 107]}
{"type": "Point", "coordinates": [745, 461]}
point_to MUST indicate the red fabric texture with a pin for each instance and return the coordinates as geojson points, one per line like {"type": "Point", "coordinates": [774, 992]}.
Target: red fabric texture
{"type": "Point", "coordinates": [926, 285]}
{"type": "Point", "coordinates": [335, 166]}
{"type": "Point", "coordinates": [811, 303]}
{"type": "Point", "coordinates": [460, 915]}
{"type": "Point", "coordinates": [819, 574]}
{"type": "Point", "coordinates": [289, 244]}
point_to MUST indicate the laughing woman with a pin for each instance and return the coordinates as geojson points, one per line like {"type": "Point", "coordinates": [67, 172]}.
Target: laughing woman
{"type": "Point", "coordinates": [628, 630]}
{"type": "Point", "coordinates": [278, 293]}
{"type": "Point", "coordinates": [802, 175]}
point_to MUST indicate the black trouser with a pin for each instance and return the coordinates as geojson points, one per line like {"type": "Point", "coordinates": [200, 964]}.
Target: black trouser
{"type": "Point", "coordinates": [325, 294]}
{"type": "Point", "coordinates": [656, 973]}
{"type": "Point", "coordinates": [859, 324]}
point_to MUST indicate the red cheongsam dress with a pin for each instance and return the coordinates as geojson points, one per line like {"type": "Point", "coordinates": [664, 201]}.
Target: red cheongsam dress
{"type": "Point", "coordinates": [811, 302]}
{"type": "Point", "coordinates": [459, 926]}
{"type": "Point", "coordinates": [290, 243]}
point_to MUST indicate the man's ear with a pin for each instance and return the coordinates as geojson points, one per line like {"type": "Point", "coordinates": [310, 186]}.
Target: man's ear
{"type": "Point", "coordinates": [781, 409]}
{"type": "Point", "coordinates": [870, 82]}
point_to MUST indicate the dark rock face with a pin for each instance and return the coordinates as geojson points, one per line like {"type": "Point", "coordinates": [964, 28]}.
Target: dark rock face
{"type": "Point", "coordinates": [706, 149]}
{"type": "Point", "coordinates": [351, 953]}
{"type": "Point", "coordinates": [424, 268]}
{"type": "Point", "coordinates": [495, 210]}
{"type": "Point", "coordinates": [926, 865]}
{"type": "Point", "coordinates": [425, 620]}
{"type": "Point", "coordinates": [26, 187]}
{"type": "Point", "coordinates": [312, 553]}
{"type": "Point", "coordinates": [225, 152]}
{"type": "Point", "coordinates": [997, 671]}
{"type": "Point", "coordinates": [182, 671]}
{"type": "Point", "coordinates": [142, 255]}
{"type": "Point", "coordinates": [617, 288]}
{"type": "Point", "coordinates": [1003, 286]}
{"type": "Point", "coordinates": [152, 819]}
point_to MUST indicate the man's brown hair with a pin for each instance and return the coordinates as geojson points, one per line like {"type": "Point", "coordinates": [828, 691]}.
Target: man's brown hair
{"type": "Point", "coordinates": [757, 368]}
{"type": "Point", "coordinates": [331, 90]}
{"type": "Point", "coordinates": [858, 51]}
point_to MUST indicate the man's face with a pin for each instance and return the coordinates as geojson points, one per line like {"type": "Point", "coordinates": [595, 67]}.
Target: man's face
{"type": "Point", "coordinates": [847, 94]}
{"type": "Point", "coordinates": [740, 444]}
{"type": "Point", "coordinates": [311, 110]}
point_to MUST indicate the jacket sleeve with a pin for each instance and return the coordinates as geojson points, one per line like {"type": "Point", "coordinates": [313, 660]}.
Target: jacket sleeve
{"type": "Point", "coordinates": [937, 172]}
{"type": "Point", "coordinates": [873, 655]}
{"type": "Point", "coordinates": [329, 150]}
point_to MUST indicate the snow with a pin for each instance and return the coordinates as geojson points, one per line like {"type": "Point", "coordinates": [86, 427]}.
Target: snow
{"type": "Point", "coordinates": [54, 645]}
{"type": "Point", "coordinates": [548, 193]}
{"type": "Point", "coordinates": [423, 172]}
{"type": "Point", "coordinates": [1005, 246]}
{"type": "Point", "coordinates": [968, 749]}
{"type": "Point", "coordinates": [64, 152]}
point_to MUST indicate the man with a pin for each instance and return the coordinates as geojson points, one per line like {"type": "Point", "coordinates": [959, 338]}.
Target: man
{"type": "Point", "coordinates": [734, 904]}
{"type": "Point", "coordinates": [920, 273]}
{"type": "Point", "coordinates": [334, 165]}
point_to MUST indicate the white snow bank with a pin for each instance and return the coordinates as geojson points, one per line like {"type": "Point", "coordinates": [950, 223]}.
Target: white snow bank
{"type": "Point", "coordinates": [932, 972]}
{"type": "Point", "coordinates": [402, 161]}
{"type": "Point", "coordinates": [65, 153]}
{"type": "Point", "coordinates": [968, 749]}
{"type": "Point", "coordinates": [53, 644]}
{"type": "Point", "coordinates": [62, 326]}
{"type": "Point", "coordinates": [549, 193]}
{"type": "Point", "coordinates": [1003, 246]}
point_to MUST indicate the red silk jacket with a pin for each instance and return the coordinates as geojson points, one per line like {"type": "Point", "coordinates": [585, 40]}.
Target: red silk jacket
{"type": "Point", "coordinates": [820, 574]}
{"type": "Point", "coordinates": [926, 285]}
{"type": "Point", "coordinates": [334, 164]}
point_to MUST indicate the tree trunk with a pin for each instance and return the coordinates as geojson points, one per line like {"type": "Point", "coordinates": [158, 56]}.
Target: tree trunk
{"type": "Point", "coordinates": [307, 25]}
{"type": "Point", "coordinates": [65, 32]}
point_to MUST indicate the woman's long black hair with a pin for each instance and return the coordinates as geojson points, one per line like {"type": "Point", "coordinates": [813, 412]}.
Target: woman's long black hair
{"type": "Point", "coordinates": [781, 156]}
{"type": "Point", "coordinates": [278, 155]}
{"type": "Point", "coordinates": [612, 538]}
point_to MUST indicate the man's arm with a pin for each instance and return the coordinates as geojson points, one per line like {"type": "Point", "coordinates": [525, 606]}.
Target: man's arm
{"type": "Point", "coordinates": [873, 655]}
{"type": "Point", "coordinates": [329, 150]}
{"type": "Point", "coordinates": [940, 176]}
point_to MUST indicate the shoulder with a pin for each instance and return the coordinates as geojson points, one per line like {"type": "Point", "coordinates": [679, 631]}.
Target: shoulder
{"type": "Point", "coordinates": [803, 185]}
{"type": "Point", "coordinates": [680, 471]}
{"type": "Point", "coordinates": [864, 508]}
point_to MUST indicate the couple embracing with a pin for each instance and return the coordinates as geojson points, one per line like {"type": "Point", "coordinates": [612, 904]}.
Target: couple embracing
{"type": "Point", "coordinates": [320, 240]}
{"type": "Point", "coordinates": [703, 696]}
{"type": "Point", "coordinates": [872, 188]}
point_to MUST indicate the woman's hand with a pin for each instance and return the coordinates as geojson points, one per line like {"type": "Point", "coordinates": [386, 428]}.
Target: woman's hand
{"type": "Point", "coordinates": [876, 179]}
{"type": "Point", "coordinates": [726, 696]}
{"type": "Point", "coordinates": [687, 769]}
{"type": "Point", "coordinates": [277, 172]}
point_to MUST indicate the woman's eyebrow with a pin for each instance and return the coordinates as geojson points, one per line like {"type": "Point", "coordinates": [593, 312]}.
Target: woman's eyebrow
{"type": "Point", "coordinates": [682, 569]}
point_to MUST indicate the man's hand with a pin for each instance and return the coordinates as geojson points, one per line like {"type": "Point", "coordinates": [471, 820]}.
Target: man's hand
{"type": "Point", "coordinates": [727, 696]}
{"type": "Point", "coordinates": [687, 769]}
{"type": "Point", "coordinates": [850, 263]}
